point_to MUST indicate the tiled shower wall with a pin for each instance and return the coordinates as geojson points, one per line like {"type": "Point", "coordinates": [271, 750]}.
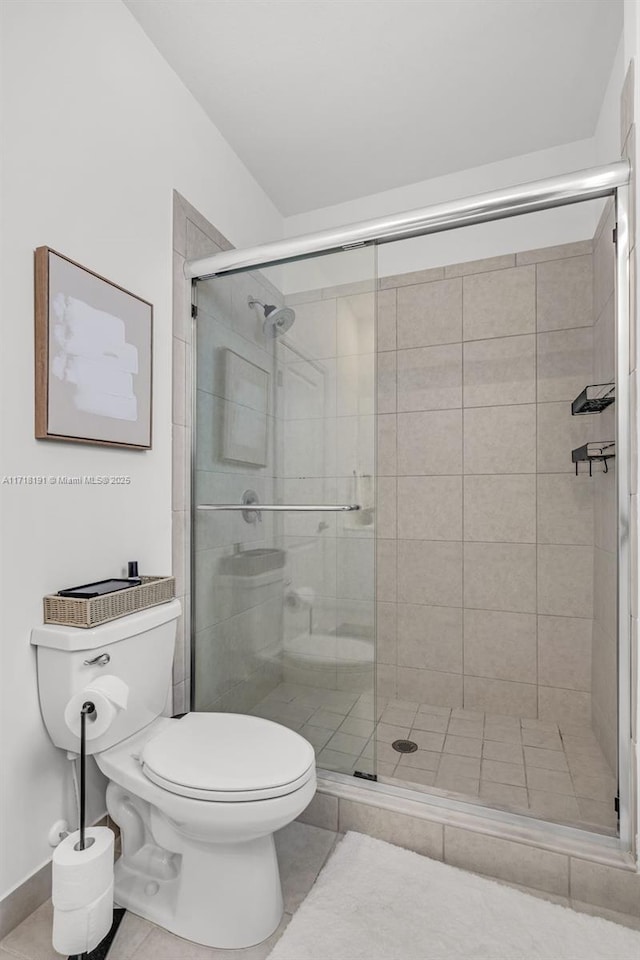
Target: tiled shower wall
{"type": "Point", "coordinates": [485, 536]}
{"type": "Point", "coordinates": [485, 550]}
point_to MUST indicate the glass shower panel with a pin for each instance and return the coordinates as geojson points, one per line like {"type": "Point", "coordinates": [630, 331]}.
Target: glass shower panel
{"type": "Point", "coordinates": [284, 600]}
{"type": "Point", "coordinates": [237, 572]}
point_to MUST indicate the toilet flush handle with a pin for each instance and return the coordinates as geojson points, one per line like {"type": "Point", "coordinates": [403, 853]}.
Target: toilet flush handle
{"type": "Point", "coordinates": [100, 661]}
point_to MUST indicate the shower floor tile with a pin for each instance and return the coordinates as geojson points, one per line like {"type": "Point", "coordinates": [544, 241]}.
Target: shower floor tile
{"type": "Point", "coordinates": [550, 771]}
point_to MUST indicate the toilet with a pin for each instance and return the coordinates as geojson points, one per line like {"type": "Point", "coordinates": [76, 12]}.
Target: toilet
{"type": "Point", "coordinates": [197, 799]}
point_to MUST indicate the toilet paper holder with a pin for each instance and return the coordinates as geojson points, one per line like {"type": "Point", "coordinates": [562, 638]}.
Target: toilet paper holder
{"type": "Point", "coordinates": [82, 873]}
{"type": "Point", "coordinates": [87, 708]}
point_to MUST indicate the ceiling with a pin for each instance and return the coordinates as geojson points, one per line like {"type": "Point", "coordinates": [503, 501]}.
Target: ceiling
{"type": "Point", "coordinates": [328, 100]}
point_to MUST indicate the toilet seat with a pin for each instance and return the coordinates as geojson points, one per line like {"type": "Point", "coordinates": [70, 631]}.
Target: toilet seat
{"type": "Point", "coordinates": [228, 757]}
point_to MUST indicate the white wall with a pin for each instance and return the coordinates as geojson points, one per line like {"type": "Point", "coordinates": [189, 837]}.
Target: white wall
{"type": "Point", "coordinates": [563, 225]}
{"type": "Point", "coordinates": [548, 228]}
{"type": "Point", "coordinates": [97, 131]}
{"type": "Point", "coordinates": [607, 133]}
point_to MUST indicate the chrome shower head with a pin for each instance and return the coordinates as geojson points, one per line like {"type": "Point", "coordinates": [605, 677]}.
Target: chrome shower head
{"type": "Point", "coordinates": [277, 320]}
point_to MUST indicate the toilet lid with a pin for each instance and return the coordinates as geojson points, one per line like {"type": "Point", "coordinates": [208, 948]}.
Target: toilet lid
{"type": "Point", "coordinates": [227, 756]}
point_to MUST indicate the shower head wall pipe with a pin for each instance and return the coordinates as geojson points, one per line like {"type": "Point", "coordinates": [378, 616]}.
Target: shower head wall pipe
{"type": "Point", "coordinates": [277, 320]}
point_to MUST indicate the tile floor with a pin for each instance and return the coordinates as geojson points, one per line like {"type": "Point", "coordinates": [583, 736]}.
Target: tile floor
{"type": "Point", "coordinates": [548, 770]}
{"type": "Point", "coordinates": [302, 852]}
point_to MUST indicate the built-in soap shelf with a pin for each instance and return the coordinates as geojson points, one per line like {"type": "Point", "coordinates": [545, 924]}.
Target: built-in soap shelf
{"type": "Point", "coordinates": [594, 452]}
{"type": "Point", "coordinates": [594, 399]}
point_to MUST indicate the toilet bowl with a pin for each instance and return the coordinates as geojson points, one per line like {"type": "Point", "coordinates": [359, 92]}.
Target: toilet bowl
{"type": "Point", "coordinates": [197, 799]}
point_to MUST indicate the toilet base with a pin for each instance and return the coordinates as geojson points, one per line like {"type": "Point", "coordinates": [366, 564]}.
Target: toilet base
{"type": "Point", "coordinates": [223, 895]}
{"type": "Point", "coordinates": [204, 870]}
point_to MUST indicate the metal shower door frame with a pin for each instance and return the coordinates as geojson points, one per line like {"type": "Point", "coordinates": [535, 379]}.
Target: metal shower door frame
{"type": "Point", "coordinates": [626, 788]}
{"type": "Point", "coordinates": [599, 182]}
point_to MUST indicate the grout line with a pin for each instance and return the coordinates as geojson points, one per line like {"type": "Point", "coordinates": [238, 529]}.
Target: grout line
{"type": "Point", "coordinates": [395, 683]}
{"type": "Point", "coordinates": [537, 534]}
{"type": "Point", "coordinates": [503, 336]}
{"type": "Point", "coordinates": [464, 474]}
{"type": "Point", "coordinates": [371, 416]}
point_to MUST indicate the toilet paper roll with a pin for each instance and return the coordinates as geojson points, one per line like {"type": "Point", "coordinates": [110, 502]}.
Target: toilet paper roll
{"type": "Point", "coordinates": [108, 694]}
{"type": "Point", "coordinates": [80, 931]}
{"type": "Point", "coordinates": [81, 876]}
{"type": "Point", "coordinates": [306, 596]}
{"type": "Point", "coordinates": [113, 688]}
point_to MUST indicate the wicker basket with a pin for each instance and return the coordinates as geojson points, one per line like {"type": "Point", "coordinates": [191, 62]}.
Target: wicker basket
{"type": "Point", "coordinates": [74, 612]}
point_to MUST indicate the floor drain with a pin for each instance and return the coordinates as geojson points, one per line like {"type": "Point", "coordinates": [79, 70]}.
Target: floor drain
{"type": "Point", "coordinates": [404, 746]}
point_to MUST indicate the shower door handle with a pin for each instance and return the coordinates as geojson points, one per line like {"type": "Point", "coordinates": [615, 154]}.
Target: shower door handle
{"type": "Point", "coordinates": [283, 507]}
{"type": "Point", "coordinates": [252, 509]}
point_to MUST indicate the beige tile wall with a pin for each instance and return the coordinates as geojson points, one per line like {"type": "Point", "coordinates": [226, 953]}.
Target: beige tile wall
{"type": "Point", "coordinates": [485, 577]}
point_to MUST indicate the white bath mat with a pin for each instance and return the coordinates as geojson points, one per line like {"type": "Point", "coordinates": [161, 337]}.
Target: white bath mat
{"type": "Point", "coordinates": [374, 901]}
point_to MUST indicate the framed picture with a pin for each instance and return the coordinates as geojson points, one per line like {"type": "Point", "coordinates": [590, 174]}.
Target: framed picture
{"type": "Point", "coordinates": [93, 349]}
{"type": "Point", "coordinates": [245, 417]}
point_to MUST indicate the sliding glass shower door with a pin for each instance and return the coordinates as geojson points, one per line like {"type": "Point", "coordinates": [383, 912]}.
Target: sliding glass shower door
{"type": "Point", "coordinates": [283, 500]}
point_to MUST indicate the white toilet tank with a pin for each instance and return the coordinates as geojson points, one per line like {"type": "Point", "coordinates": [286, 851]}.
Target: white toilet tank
{"type": "Point", "coordinates": [137, 648]}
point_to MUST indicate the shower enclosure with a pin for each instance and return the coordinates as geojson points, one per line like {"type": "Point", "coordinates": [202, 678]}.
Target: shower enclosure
{"type": "Point", "coordinates": [410, 501]}
{"type": "Point", "coordinates": [285, 496]}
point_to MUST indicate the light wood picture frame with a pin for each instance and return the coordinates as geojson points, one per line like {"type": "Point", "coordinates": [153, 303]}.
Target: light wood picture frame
{"type": "Point", "coordinates": [93, 357]}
